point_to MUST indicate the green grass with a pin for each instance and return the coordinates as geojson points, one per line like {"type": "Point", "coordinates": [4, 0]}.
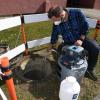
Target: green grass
{"type": "Point", "coordinates": [36, 31]}
{"type": "Point", "coordinates": [33, 31]}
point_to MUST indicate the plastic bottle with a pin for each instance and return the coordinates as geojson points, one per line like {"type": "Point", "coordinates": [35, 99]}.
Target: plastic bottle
{"type": "Point", "coordinates": [69, 89]}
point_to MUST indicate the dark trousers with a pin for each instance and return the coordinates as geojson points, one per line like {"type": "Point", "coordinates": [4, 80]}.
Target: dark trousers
{"type": "Point", "coordinates": [93, 51]}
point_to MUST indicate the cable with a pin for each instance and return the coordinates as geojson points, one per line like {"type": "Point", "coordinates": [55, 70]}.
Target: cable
{"type": "Point", "coordinates": [17, 38]}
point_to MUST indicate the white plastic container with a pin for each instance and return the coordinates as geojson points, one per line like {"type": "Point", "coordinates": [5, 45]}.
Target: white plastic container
{"type": "Point", "coordinates": [69, 89]}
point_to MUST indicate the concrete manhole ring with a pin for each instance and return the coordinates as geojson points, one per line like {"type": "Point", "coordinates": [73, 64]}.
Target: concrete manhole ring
{"type": "Point", "coordinates": [34, 69]}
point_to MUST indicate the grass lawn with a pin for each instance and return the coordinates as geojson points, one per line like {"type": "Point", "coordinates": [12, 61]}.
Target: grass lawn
{"type": "Point", "coordinates": [49, 90]}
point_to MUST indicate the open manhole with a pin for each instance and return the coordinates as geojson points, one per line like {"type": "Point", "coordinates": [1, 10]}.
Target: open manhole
{"type": "Point", "coordinates": [34, 69]}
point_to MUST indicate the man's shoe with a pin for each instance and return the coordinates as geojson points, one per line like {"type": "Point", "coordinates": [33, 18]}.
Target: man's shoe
{"type": "Point", "coordinates": [91, 75]}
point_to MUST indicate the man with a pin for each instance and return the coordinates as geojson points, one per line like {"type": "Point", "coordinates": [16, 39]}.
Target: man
{"type": "Point", "coordinates": [73, 27]}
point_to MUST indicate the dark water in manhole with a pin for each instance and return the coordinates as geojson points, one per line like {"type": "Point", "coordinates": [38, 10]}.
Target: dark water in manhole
{"type": "Point", "coordinates": [35, 75]}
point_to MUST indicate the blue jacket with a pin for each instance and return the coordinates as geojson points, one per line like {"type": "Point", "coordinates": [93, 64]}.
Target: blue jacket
{"type": "Point", "coordinates": [72, 29]}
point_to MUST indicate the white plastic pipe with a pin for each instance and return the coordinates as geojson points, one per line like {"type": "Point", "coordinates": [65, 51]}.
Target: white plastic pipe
{"type": "Point", "coordinates": [33, 18]}
{"type": "Point", "coordinates": [3, 95]}
{"type": "Point", "coordinates": [9, 22]}
{"type": "Point", "coordinates": [14, 52]}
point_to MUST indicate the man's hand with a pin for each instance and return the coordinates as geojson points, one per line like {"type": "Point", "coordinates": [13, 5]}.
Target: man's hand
{"type": "Point", "coordinates": [82, 37]}
{"type": "Point", "coordinates": [50, 47]}
{"type": "Point", "coordinates": [78, 43]}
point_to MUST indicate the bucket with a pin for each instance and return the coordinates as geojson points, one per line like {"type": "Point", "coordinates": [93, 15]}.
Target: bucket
{"type": "Point", "coordinates": [72, 65]}
{"type": "Point", "coordinates": [69, 89]}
